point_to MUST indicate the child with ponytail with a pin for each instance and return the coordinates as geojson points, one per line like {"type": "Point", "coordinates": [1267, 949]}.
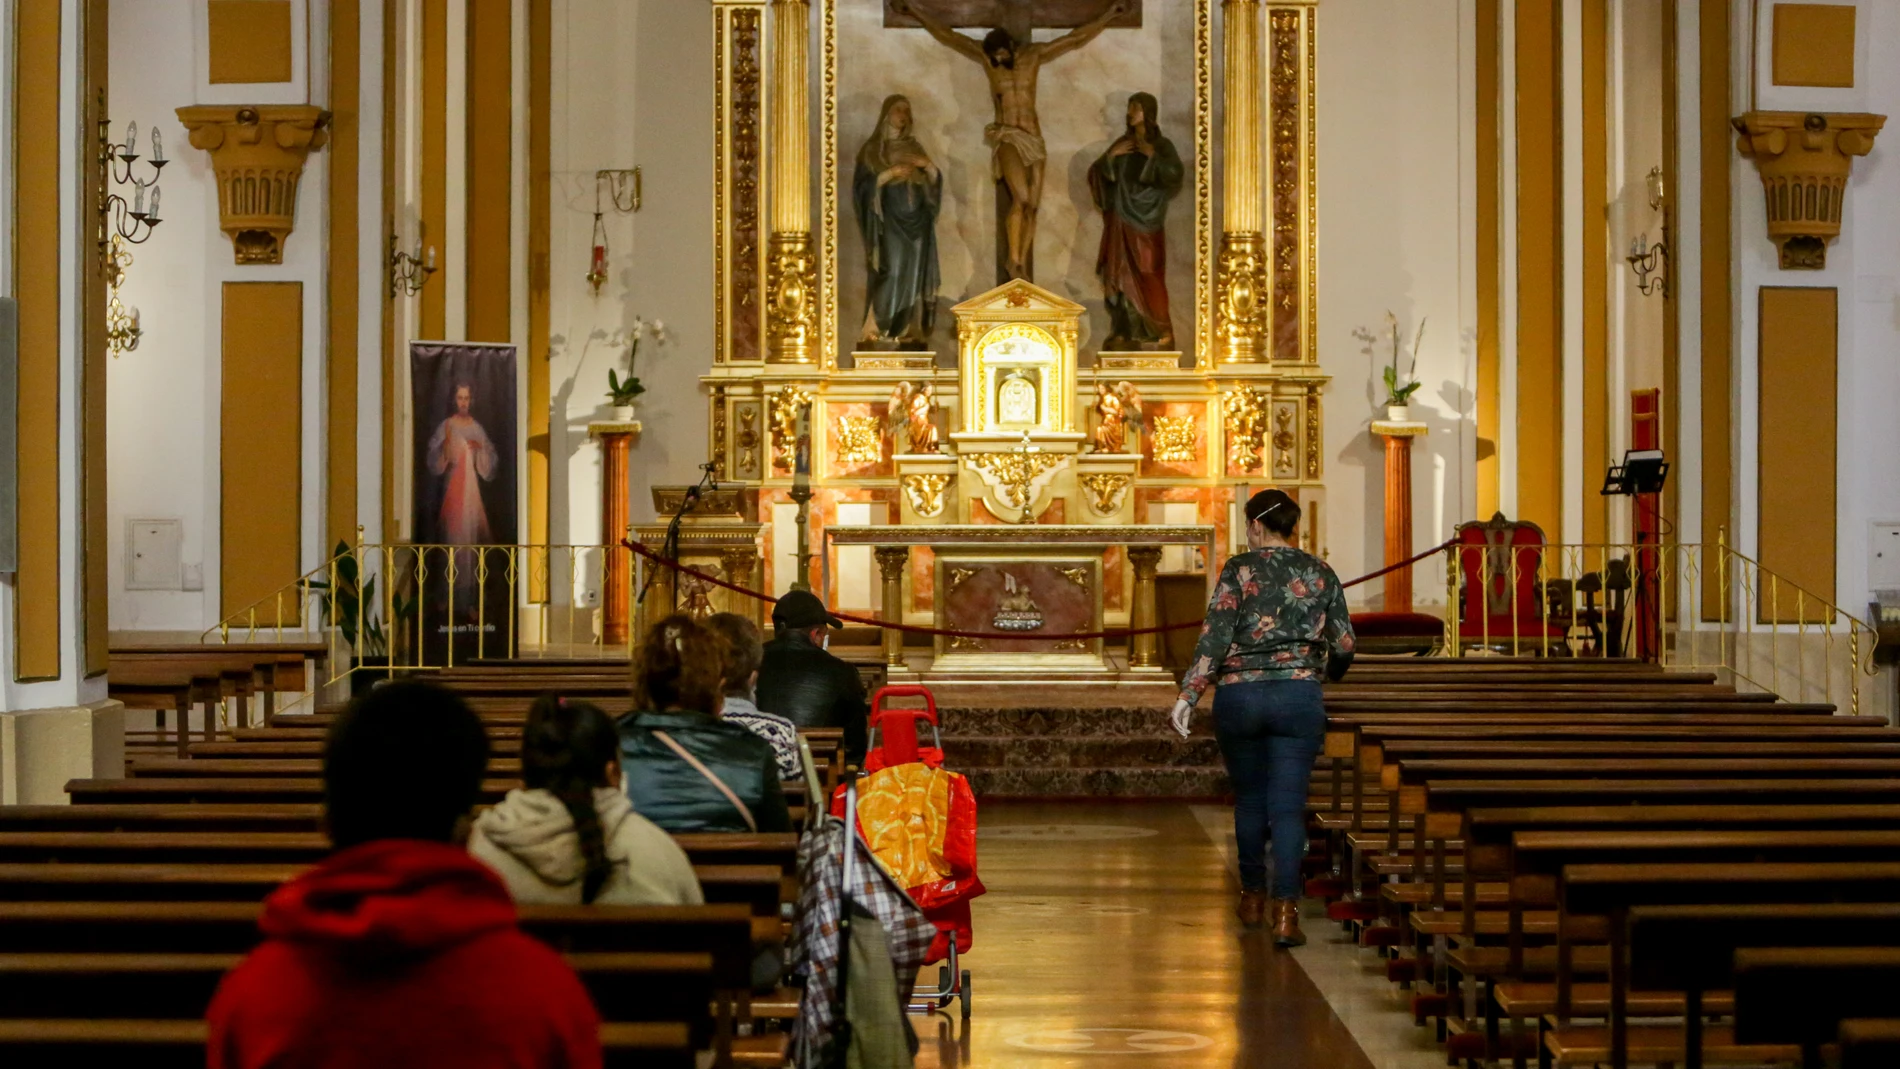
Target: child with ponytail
{"type": "Point", "coordinates": [569, 835]}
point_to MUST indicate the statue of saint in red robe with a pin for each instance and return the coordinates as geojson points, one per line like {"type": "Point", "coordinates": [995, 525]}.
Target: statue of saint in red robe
{"type": "Point", "coordinates": [1132, 184]}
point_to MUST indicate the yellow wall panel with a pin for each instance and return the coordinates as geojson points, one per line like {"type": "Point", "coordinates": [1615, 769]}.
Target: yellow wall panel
{"type": "Point", "coordinates": [1540, 417]}
{"type": "Point", "coordinates": [259, 445]}
{"type": "Point", "coordinates": [1596, 266]}
{"type": "Point", "coordinates": [346, 25]}
{"type": "Point", "coordinates": [1489, 226]}
{"type": "Point", "coordinates": [37, 138]}
{"type": "Point", "coordinates": [249, 41]}
{"type": "Point", "coordinates": [1717, 141]}
{"type": "Point", "coordinates": [1796, 468]}
{"type": "Point", "coordinates": [1814, 45]}
{"type": "Point", "coordinates": [435, 156]}
{"type": "Point", "coordinates": [490, 174]}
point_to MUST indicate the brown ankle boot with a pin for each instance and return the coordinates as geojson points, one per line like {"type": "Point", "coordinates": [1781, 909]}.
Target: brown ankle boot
{"type": "Point", "coordinates": [1286, 923]}
{"type": "Point", "coordinates": [1252, 910]}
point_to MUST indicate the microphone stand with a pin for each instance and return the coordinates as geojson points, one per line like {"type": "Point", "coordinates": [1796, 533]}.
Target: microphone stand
{"type": "Point", "coordinates": [670, 546]}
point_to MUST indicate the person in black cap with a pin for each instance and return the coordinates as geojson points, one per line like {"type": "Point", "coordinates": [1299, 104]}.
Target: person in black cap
{"type": "Point", "coordinates": [802, 682]}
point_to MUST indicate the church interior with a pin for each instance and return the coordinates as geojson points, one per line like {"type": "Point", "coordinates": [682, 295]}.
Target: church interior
{"type": "Point", "coordinates": [477, 341]}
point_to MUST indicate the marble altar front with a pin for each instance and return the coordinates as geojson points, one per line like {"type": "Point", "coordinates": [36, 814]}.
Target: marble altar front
{"type": "Point", "coordinates": [1027, 599]}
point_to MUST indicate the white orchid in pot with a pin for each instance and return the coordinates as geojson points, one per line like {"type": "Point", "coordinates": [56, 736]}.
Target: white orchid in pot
{"type": "Point", "coordinates": [622, 393]}
{"type": "Point", "coordinates": [1399, 388]}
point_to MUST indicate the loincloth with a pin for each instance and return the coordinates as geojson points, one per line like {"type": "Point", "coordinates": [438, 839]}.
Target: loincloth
{"type": "Point", "coordinates": [1029, 147]}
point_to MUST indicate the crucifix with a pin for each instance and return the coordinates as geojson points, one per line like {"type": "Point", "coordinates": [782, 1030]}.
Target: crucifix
{"type": "Point", "coordinates": [1011, 62]}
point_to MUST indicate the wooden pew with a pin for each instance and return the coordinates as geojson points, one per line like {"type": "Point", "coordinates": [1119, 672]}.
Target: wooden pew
{"type": "Point", "coordinates": [1870, 1043]}
{"type": "Point", "coordinates": [759, 887]}
{"type": "Point", "coordinates": [1611, 890]}
{"type": "Point", "coordinates": [1800, 994]}
{"type": "Point", "coordinates": [161, 1044]}
{"type": "Point", "coordinates": [1691, 949]}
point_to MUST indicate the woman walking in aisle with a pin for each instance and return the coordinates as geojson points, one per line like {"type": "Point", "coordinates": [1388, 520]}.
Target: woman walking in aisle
{"type": "Point", "coordinates": [1276, 625]}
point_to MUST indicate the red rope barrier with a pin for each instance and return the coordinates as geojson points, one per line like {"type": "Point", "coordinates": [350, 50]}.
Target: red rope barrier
{"type": "Point", "coordinates": [920, 630]}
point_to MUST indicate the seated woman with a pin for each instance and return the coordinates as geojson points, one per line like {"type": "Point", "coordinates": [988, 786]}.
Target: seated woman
{"type": "Point", "coordinates": [686, 769]}
{"type": "Point", "coordinates": [743, 649]}
{"type": "Point", "coordinates": [570, 835]}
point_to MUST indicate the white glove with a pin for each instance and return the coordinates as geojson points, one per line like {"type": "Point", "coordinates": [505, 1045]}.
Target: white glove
{"type": "Point", "coordinates": [1181, 716]}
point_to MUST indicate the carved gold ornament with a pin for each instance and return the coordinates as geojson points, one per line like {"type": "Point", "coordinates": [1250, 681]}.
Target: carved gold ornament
{"type": "Point", "coordinates": [1078, 576]}
{"type": "Point", "coordinates": [926, 493]}
{"type": "Point", "coordinates": [1241, 307]}
{"type": "Point", "coordinates": [791, 327]}
{"type": "Point", "coordinates": [1014, 475]}
{"type": "Point", "coordinates": [749, 440]}
{"type": "Point", "coordinates": [858, 440]}
{"type": "Point", "coordinates": [257, 153]}
{"type": "Point", "coordinates": [1174, 439]}
{"type": "Point", "coordinates": [785, 408]}
{"type": "Point", "coordinates": [959, 575]}
{"type": "Point", "coordinates": [1246, 410]}
{"type": "Point", "coordinates": [1284, 438]}
{"type": "Point", "coordinates": [1805, 161]}
{"type": "Point", "coordinates": [1105, 491]}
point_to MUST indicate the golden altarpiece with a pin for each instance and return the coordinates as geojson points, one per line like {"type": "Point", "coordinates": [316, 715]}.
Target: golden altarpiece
{"type": "Point", "coordinates": [1029, 422]}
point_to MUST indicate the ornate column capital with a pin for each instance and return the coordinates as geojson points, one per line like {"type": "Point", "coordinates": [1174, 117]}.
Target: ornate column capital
{"type": "Point", "coordinates": [257, 152]}
{"type": "Point", "coordinates": [1805, 161]}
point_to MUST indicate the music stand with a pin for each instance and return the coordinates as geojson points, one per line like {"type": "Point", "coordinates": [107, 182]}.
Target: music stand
{"type": "Point", "coordinates": [1643, 471]}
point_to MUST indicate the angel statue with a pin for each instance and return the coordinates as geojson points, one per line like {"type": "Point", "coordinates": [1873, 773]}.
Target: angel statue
{"type": "Point", "coordinates": [911, 407]}
{"type": "Point", "coordinates": [1118, 406]}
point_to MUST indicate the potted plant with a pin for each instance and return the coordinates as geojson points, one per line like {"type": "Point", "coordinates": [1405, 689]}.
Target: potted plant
{"type": "Point", "coordinates": [351, 605]}
{"type": "Point", "coordinates": [1400, 388]}
{"type": "Point", "coordinates": [622, 393]}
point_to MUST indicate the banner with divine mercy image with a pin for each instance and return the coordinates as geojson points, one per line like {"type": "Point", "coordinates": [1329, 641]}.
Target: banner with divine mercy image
{"type": "Point", "coordinates": [464, 509]}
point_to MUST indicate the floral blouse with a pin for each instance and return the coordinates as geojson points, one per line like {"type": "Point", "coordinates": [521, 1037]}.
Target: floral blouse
{"type": "Point", "coordinates": [1277, 613]}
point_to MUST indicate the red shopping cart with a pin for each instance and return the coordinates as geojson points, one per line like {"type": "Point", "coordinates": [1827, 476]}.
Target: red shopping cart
{"type": "Point", "coordinates": [920, 821]}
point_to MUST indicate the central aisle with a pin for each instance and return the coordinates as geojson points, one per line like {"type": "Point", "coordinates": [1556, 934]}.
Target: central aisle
{"type": "Point", "coordinates": [1107, 931]}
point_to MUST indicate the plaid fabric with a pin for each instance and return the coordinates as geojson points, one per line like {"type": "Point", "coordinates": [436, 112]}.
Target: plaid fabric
{"type": "Point", "coordinates": [815, 946]}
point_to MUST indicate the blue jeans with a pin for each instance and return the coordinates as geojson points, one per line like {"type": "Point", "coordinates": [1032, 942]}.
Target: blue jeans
{"type": "Point", "coordinates": [1270, 732]}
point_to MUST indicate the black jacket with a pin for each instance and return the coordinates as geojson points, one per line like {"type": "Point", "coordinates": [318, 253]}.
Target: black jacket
{"type": "Point", "coordinates": [813, 689]}
{"type": "Point", "coordinates": [668, 791]}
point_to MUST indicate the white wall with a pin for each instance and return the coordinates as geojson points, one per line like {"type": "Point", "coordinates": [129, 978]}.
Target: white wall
{"type": "Point", "coordinates": [633, 85]}
{"type": "Point", "coordinates": [1395, 225]}
{"type": "Point", "coordinates": [1864, 265]}
{"type": "Point", "coordinates": [163, 398]}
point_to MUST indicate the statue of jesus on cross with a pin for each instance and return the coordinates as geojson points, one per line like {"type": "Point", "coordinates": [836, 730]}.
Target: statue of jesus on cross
{"type": "Point", "coordinates": [1017, 154]}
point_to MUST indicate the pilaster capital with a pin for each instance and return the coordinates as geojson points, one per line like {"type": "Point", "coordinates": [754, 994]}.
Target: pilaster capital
{"type": "Point", "coordinates": [257, 153]}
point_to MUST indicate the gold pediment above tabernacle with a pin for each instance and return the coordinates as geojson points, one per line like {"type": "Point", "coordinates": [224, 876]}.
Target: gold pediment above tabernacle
{"type": "Point", "coordinates": [1017, 298]}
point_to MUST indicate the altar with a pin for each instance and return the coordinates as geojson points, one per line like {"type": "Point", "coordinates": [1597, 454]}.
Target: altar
{"type": "Point", "coordinates": [1024, 600]}
{"type": "Point", "coordinates": [972, 400]}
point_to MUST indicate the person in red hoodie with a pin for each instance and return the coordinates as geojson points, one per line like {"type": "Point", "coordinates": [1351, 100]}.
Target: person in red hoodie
{"type": "Point", "coordinates": [400, 950]}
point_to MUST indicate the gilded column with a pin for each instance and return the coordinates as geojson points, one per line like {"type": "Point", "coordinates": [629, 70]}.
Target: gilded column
{"type": "Point", "coordinates": [792, 272]}
{"type": "Point", "coordinates": [1144, 651]}
{"type": "Point", "coordinates": [1241, 285]}
{"type": "Point", "coordinates": [892, 561]}
{"type": "Point", "coordinates": [742, 567]}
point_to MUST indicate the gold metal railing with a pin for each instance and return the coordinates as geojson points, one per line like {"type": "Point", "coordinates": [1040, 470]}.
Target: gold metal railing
{"type": "Point", "coordinates": [1688, 606]}
{"type": "Point", "coordinates": [401, 608]}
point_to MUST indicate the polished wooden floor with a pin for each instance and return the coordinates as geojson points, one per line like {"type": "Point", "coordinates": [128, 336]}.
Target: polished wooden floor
{"type": "Point", "coordinates": [1107, 937]}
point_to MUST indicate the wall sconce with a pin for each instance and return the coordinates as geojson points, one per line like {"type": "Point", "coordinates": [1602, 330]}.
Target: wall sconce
{"type": "Point", "coordinates": [1651, 262]}
{"type": "Point", "coordinates": [408, 271]}
{"type": "Point", "coordinates": [118, 220]}
{"type": "Point", "coordinates": [122, 322]}
{"type": "Point", "coordinates": [623, 190]}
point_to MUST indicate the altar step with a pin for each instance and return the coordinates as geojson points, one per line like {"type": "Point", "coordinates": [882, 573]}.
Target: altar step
{"type": "Point", "coordinates": [1082, 752]}
{"type": "Point", "coordinates": [1197, 784]}
{"type": "Point", "coordinates": [1064, 751]}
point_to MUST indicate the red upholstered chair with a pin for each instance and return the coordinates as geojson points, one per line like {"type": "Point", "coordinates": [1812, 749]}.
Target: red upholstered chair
{"type": "Point", "coordinates": [1500, 564]}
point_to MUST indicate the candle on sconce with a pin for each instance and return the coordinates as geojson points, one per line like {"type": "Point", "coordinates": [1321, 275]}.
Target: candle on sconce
{"type": "Point", "coordinates": [152, 216]}
{"type": "Point", "coordinates": [158, 148]}
{"type": "Point", "coordinates": [131, 138]}
{"type": "Point", "coordinates": [138, 201]}
{"type": "Point", "coordinates": [429, 258]}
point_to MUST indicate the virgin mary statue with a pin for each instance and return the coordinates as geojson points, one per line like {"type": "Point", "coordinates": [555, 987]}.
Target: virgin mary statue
{"type": "Point", "coordinates": [460, 449]}
{"type": "Point", "coordinates": [897, 192]}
